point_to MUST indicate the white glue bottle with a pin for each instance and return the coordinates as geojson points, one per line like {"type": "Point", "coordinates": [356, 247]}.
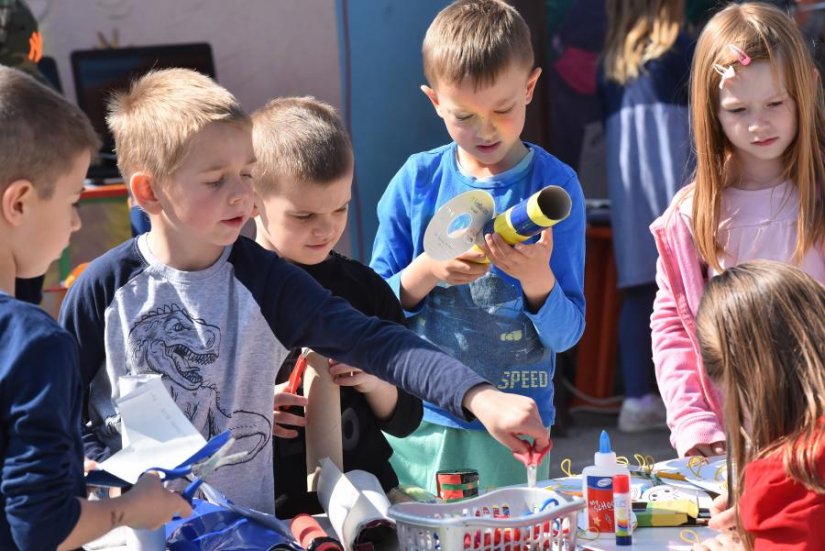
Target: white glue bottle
{"type": "Point", "coordinates": [597, 488]}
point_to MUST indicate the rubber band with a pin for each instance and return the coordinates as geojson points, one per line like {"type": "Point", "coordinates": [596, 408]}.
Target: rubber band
{"type": "Point", "coordinates": [689, 536]}
{"type": "Point", "coordinates": [622, 460]}
{"type": "Point", "coordinates": [695, 464]}
{"type": "Point", "coordinates": [566, 467]}
{"type": "Point", "coordinates": [587, 535]}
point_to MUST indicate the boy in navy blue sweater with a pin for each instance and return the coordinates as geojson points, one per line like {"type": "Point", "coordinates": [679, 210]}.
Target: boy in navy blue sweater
{"type": "Point", "coordinates": [45, 147]}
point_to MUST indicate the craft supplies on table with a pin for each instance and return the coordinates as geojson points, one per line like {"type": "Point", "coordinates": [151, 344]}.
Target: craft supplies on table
{"type": "Point", "coordinates": [526, 517]}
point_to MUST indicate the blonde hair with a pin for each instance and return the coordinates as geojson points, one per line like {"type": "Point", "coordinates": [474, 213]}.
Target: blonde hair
{"type": "Point", "coordinates": [154, 121]}
{"type": "Point", "coordinates": [476, 40]}
{"type": "Point", "coordinates": [639, 31]}
{"type": "Point", "coordinates": [761, 333]}
{"type": "Point", "coordinates": [301, 138]}
{"type": "Point", "coordinates": [41, 134]}
{"type": "Point", "coordinates": [764, 33]}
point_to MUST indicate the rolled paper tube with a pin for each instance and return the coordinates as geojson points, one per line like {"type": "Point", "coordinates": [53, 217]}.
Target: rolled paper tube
{"type": "Point", "coordinates": [323, 418]}
{"type": "Point", "coordinates": [311, 536]}
{"type": "Point", "coordinates": [543, 209]}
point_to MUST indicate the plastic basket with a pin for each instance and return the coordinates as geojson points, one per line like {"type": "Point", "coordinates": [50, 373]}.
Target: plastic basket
{"type": "Point", "coordinates": [509, 519]}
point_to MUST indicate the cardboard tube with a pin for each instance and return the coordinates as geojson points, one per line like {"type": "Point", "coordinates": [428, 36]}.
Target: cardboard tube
{"type": "Point", "coordinates": [323, 418]}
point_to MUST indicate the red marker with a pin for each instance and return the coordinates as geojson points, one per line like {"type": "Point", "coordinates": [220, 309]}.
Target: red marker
{"type": "Point", "coordinates": [311, 536]}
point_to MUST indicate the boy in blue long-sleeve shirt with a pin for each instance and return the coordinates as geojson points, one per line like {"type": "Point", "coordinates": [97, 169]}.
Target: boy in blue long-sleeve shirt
{"type": "Point", "coordinates": [509, 319]}
{"type": "Point", "coordinates": [45, 147]}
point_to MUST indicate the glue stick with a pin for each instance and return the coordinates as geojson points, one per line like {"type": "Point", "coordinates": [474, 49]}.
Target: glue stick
{"type": "Point", "coordinates": [597, 488]}
{"type": "Point", "coordinates": [622, 507]}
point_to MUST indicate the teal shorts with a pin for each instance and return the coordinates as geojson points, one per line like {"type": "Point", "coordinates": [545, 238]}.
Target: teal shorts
{"type": "Point", "coordinates": [432, 448]}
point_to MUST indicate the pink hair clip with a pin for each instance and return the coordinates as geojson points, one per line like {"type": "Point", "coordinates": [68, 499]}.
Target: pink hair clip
{"type": "Point", "coordinates": [740, 54]}
{"type": "Point", "coordinates": [729, 72]}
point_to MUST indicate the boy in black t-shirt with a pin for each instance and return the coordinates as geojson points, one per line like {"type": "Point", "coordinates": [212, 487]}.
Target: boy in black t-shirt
{"type": "Point", "coordinates": [303, 177]}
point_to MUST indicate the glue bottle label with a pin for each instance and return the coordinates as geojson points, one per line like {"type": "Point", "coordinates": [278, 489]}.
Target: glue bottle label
{"type": "Point", "coordinates": [600, 504]}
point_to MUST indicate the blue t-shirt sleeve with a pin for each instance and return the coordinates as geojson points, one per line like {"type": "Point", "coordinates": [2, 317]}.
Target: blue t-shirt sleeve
{"type": "Point", "coordinates": [302, 313]}
{"type": "Point", "coordinates": [393, 246]}
{"type": "Point", "coordinates": [42, 467]}
{"type": "Point", "coordinates": [560, 321]}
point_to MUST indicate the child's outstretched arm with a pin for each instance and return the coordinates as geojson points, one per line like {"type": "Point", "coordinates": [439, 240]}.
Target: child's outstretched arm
{"type": "Point", "coordinates": [507, 417]}
{"type": "Point", "coordinates": [148, 505]}
{"type": "Point", "coordinates": [695, 429]}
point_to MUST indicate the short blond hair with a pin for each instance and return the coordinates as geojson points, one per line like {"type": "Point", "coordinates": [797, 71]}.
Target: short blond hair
{"type": "Point", "coordinates": [155, 120]}
{"type": "Point", "coordinates": [300, 138]}
{"type": "Point", "coordinates": [41, 134]}
{"type": "Point", "coordinates": [476, 40]}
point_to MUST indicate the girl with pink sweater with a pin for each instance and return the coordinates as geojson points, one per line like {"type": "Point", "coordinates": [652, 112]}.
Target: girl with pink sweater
{"type": "Point", "coordinates": [758, 119]}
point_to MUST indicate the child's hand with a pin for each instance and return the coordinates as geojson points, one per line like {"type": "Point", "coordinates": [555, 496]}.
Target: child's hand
{"type": "Point", "coordinates": [89, 465]}
{"type": "Point", "coordinates": [281, 416]}
{"type": "Point", "coordinates": [424, 273]}
{"type": "Point", "coordinates": [530, 264]}
{"type": "Point", "coordinates": [722, 518]}
{"type": "Point", "coordinates": [346, 375]}
{"type": "Point", "coordinates": [508, 416]}
{"type": "Point", "coordinates": [152, 505]}
{"type": "Point", "coordinates": [461, 270]}
{"type": "Point", "coordinates": [706, 450]}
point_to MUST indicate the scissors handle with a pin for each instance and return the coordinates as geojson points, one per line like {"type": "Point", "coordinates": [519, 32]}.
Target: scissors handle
{"type": "Point", "coordinates": [297, 372]}
{"type": "Point", "coordinates": [180, 471]}
{"type": "Point", "coordinates": [189, 493]}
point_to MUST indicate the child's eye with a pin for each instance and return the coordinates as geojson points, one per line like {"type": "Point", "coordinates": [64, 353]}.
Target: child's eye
{"type": "Point", "coordinates": [303, 216]}
{"type": "Point", "coordinates": [463, 117]}
{"type": "Point", "coordinates": [217, 183]}
{"type": "Point", "coordinates": [246, 176]}
{"type": "Point", "coordinates": [736, 110]}
{"type": "Point", "coordinates": [775, 103]}
{"type": "Point", "coordinates": [504, 111]}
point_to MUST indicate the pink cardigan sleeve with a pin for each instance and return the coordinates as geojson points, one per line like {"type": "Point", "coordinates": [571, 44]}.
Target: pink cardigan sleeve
{"type": "Point", "coordinates": [682, 382]}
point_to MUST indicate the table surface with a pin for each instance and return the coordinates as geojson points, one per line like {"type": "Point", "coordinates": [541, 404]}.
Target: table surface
{"type": "Point", "coordinates": [658, 538]}
{"type": "Point", "coordinates": [650, 538]}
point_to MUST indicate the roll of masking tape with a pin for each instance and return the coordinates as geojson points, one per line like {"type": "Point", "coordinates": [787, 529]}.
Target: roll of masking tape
{"type": "Point", "coordinates": [456, 485]}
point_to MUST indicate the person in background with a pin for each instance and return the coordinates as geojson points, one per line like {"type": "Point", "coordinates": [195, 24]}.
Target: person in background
{"type": "Point", "coordinates": [643, 82]}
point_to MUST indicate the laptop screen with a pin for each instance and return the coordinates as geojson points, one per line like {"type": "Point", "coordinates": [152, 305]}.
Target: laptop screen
{"type": "Point", "coordinates": [99, 73]}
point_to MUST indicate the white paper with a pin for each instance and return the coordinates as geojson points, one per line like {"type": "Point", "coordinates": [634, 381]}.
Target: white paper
{"type": "Point", "coordinates": [350, 500]}
{"type": "Point", "coordinates": [160, 435]}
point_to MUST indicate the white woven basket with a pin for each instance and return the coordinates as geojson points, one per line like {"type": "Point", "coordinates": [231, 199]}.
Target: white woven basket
{"type": "Point", "coordinates": [509, 519]}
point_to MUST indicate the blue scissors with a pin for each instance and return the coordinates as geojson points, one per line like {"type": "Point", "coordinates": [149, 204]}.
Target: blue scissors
{"type": "Point", "coordinates": [203, 463]}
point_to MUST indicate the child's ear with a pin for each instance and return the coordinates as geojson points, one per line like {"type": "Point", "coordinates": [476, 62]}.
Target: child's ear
{"type": "Point", "coordinates": [531, 83]}
{"type": "Point", "coordinates": [15, 200]}
{"type": "Point", "coordinates": [433, 96]}
{"type": "Point", "coordinates": [140, 185]}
